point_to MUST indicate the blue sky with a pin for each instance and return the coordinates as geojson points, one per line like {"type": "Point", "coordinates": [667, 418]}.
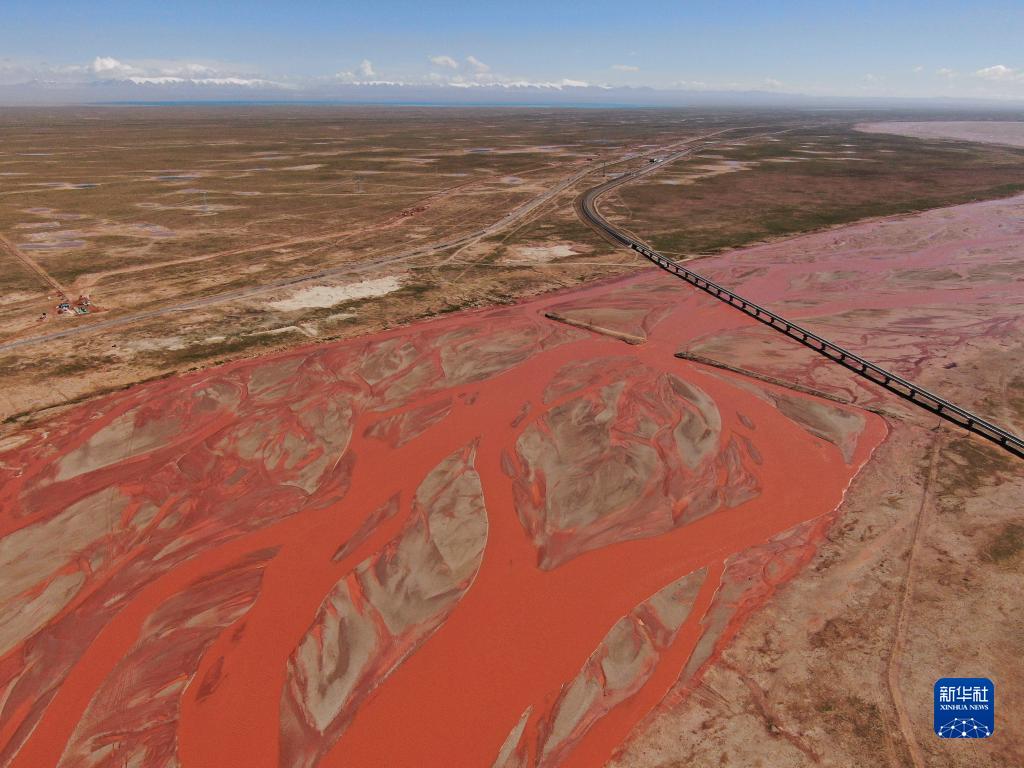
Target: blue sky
{"type": "Point", "coordinates": [934, 48]}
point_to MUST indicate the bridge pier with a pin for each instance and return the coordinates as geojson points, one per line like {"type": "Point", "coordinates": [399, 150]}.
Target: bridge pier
{"type": "Point", "coordinates": [869, 371]}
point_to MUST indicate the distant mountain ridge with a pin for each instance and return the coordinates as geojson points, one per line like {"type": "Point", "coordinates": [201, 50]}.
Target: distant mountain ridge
{"type": "Point", "coordinates": [154, 90]}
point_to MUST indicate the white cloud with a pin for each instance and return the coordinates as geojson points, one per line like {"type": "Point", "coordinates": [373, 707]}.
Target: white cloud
{"type": "Point", "coordinates": [109, 67]}
{"type": "Point", "coordinates": [998, 81]}
{"type": "Point", "coordinates": [166, 72]}
{"type": "Point", "coordinates": [999, 72]}
{"type": "Point", "coordinates": [447, 62]}
{"type": "Point", "coordinates": [191, 69]}
{"type": "Point", "coordinates": [106, 64]}
{"type": "Point", "coordinates": [244, 82]}
{"type": "Point", "coordinates": [182, 73]}
{"type": "Point", "coordinates": [691, 85]}
{"type": "Point", "coordinates": [546, 85]}
{"type": "Point", "coordinates": [477, 65]}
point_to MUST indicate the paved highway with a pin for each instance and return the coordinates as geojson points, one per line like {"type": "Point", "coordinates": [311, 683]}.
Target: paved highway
{"type": "Point", "coordinates": [86, 326]}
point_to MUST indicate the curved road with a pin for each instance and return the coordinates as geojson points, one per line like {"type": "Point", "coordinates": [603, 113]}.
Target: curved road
{"type": "Point", "coordinates": [504, 222]}
{"type": "Point", "coordinates": [586, 206]}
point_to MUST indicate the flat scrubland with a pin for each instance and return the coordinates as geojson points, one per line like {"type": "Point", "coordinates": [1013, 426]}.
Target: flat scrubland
{"type": "Point", "coordinates": [760, 561]}
{"type": "Point", "coordinates": [207, 234]}
{"type": "Point", "coordinates": [149, 209]}
{"type": "Point", "coordinates": [610, 552]}
{"type": "Point", "coordinates": [545, 556]}
{"type": "Point", "coordinates": [806, 179]}
{"type": "Point", "coordinates": [920, 571]}
{"type": "Point", "coordinates": [1008, 132]}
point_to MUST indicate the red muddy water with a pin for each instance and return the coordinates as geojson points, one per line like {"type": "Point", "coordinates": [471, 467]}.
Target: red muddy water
{"type": "Point", "coordinates": [492, 538]}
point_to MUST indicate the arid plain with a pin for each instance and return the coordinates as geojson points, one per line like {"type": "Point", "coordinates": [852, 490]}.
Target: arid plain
{"type": "Point", "coordinates": [609, 523]}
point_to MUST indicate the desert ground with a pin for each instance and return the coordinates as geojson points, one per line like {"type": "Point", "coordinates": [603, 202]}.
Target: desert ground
{"type": "Point", "coordinates": [209, 234]}
{"type": "Point", "coordinates": [1005, 132]}
{"type": "Point", "coordinates": [616, 523]}
{"type": "Point", "coordinates": [835, 666]}
{"type": "Point", "coordinates": [204, 235]}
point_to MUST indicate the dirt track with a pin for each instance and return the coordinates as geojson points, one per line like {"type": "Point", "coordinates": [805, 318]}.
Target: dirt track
{"type": "Point", "coordinates": [361, 267]}
{"type": "Point", "coordinates": [10, 249]}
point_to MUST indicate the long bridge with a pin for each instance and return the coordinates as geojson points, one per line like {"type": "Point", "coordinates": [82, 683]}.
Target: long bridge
{"type": "Point", "coordinates": [586, 206]}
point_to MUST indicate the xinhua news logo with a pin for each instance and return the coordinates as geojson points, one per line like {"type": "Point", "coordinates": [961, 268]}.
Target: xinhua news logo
{"type": "Point", "coordinates": [965, 708]}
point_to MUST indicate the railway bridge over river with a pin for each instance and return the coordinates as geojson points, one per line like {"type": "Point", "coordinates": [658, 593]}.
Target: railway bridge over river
{"type": "Point", "coordinates": [914, 393]}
